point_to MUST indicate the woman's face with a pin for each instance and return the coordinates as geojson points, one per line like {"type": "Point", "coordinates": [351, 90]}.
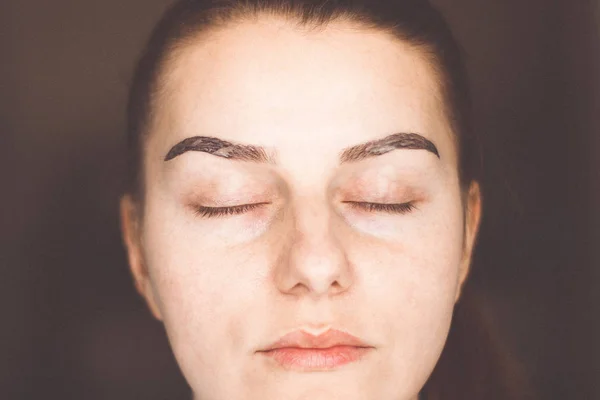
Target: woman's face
{"type": "Point", "coordinates": [311, 254]}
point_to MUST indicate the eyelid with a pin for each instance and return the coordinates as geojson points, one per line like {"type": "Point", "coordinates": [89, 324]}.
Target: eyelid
{"type": "Point", "coordinates": [211, 212]}
{"type": "Point", "coordinates": [390, 208]}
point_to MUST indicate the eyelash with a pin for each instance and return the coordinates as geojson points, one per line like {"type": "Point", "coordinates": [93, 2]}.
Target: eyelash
{"type": "Point", "coordinates": [401, 208]}
{"type": "Point", "coordinates": [211, 212]}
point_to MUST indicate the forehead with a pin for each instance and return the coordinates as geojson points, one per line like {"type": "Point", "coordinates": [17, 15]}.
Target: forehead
{"type": "Point", "coordinates": [270, 83]}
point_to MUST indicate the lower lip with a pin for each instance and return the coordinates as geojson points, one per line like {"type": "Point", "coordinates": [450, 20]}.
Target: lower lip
{"type": "Point", "coordinates": [301, 359]}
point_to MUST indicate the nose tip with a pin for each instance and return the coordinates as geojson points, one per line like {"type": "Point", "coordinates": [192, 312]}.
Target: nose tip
{"type": "Point", "coordinates": [316, 264]}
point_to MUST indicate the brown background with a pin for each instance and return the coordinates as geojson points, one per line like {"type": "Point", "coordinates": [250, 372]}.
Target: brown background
{"type": "Point", "coordinates": [72, 326]}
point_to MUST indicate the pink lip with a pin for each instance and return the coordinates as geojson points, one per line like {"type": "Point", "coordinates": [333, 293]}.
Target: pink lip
{"type": "Point", "coordinates": [302, 351]}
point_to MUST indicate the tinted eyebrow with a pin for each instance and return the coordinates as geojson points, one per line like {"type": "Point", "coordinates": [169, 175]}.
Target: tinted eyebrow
{"type": "Point", "coordinates": [245, 152]}
{"type": "Point", "coordinates": [220, 148]}
{"type": "Point", "coordinates": [387, 144]}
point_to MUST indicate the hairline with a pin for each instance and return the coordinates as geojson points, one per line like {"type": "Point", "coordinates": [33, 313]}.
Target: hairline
{"type": "Point", "coordinates": [219, 22]}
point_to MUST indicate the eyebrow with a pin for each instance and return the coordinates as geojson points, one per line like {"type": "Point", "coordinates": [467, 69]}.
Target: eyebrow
{"type": "Point", "coordinates": [245, 152]}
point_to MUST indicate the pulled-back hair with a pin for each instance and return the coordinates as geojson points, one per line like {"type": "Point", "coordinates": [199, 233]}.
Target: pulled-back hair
{"type": "Point", "coordinates": [472, 365]}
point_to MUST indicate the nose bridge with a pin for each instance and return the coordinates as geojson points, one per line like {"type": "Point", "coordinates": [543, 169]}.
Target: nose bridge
{"type": "Point", "coordinates": [312, 220]}
{"type": "Point", "coordinates": [317, 261]}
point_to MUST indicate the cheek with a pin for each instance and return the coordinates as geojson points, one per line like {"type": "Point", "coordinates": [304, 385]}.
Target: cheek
{"type": "Point", "coordinates": [195, 283]}
{"type": "Point", "coordinates": [207, 299]}
{"type": "Point", "coordinates": [203, 291]}
{"type": "Point", "coordinates": [413, 281]}
{"type": "Point", "coordinates": [427, 259]}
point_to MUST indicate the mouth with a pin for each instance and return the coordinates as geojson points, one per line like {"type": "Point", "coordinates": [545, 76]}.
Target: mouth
{"type": "Point", "coordinates": [302, 351]}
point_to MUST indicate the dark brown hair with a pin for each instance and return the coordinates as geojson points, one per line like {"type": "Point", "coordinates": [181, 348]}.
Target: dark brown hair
{"type": "Point", "coordinates": [472, 366]}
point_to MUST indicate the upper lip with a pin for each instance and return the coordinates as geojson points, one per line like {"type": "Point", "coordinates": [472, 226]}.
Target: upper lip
{"type": "Point", "coordinates": [303, 339]}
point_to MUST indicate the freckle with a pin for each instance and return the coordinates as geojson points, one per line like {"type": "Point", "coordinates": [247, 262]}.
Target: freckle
{"type": "Point", "coordinates": [412, 301]}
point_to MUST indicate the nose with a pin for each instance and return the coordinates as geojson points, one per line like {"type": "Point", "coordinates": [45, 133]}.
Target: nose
{"type": "Point", "coordinates": [313, 261]}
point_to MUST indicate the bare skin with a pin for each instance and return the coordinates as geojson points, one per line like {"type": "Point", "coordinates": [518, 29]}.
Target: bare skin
{"type": "Point", "coordinates": [311, 253]}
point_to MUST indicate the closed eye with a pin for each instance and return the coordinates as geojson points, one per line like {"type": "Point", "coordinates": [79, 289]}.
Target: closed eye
{"type": "Point", "coordinates": [213, 212]}
{"type": "Point", "coordinates": [401, 208]}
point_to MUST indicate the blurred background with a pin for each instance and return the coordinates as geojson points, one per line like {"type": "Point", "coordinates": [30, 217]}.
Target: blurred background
{"type": "Point", "coordinates": [72, 326]}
